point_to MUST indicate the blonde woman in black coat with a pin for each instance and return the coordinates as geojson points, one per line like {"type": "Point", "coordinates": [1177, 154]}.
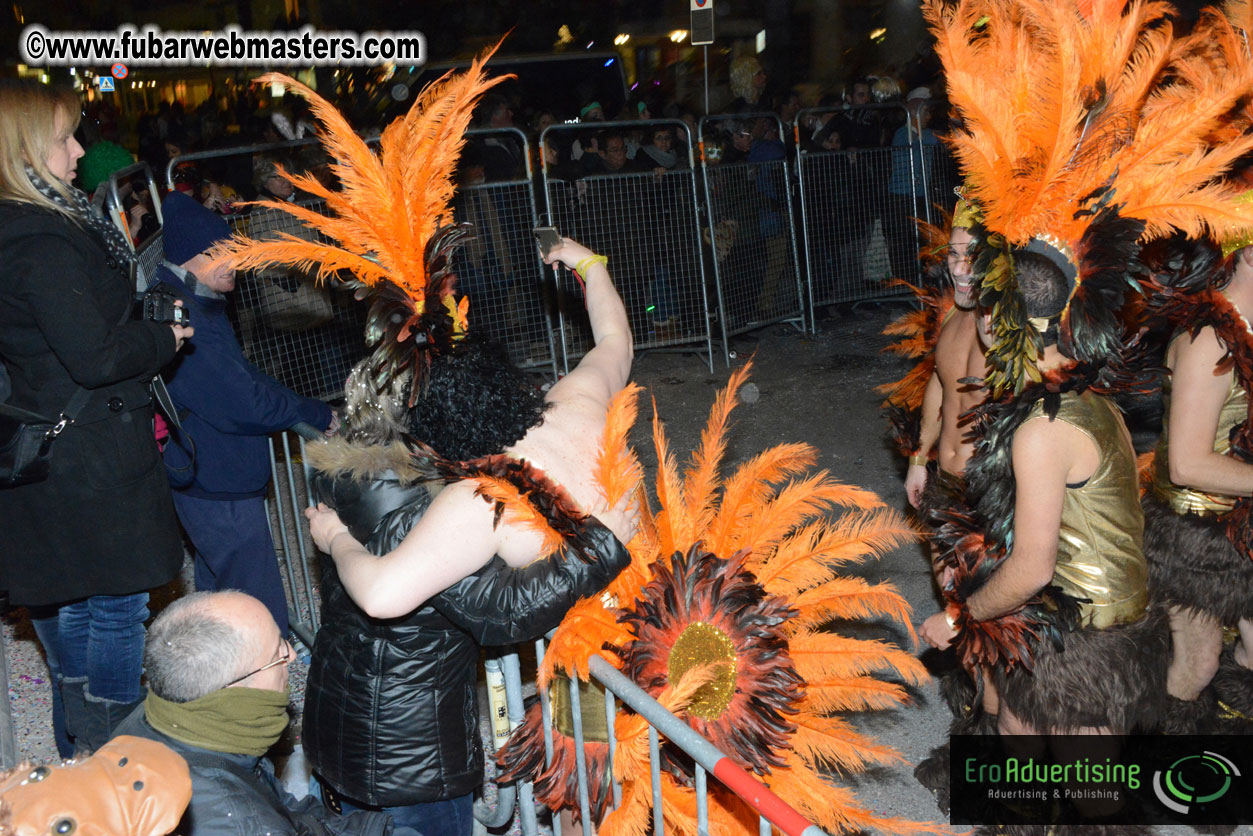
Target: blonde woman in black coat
{"type": "Point", "coordinates": [82, 547]}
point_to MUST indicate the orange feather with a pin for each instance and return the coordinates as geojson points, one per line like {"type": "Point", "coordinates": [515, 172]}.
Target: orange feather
{"type": "Point", "coordinates": [390, 204]}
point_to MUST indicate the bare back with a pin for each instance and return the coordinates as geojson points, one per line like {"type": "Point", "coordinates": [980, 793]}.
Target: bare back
{"type": "Point", "coordinates": [958, 355]}
{"type": "Point", "coordinates": [565, 446]}
{"type": "Point", "coordinates": [459, 532]}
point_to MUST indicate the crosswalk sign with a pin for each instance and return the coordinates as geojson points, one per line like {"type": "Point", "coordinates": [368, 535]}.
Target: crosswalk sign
{"type": "Point", "coordinates": [106, 84]}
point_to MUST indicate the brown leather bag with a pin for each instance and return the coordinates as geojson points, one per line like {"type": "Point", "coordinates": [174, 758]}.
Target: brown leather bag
{"type": "Point", "coordinates": [129, 787]}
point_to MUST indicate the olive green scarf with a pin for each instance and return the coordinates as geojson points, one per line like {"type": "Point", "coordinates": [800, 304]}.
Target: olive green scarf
{"type": "Point", "coordinates": [240, 721]}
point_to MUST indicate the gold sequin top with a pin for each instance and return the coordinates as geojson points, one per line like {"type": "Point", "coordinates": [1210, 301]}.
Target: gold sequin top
{"type": "Point", "coordinates": [1100, 549]}
{"type": "Point", "coordinates": [1182, 499]}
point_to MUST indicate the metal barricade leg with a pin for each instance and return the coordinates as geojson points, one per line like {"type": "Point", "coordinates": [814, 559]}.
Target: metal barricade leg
{"type": "Point", "coordinates": [8, 737]}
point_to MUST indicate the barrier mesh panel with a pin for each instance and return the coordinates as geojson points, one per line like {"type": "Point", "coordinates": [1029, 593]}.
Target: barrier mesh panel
{"type": "Point", "coordinates": [644, 223]}
{"type": "Point", "coordinates": [305, 335]}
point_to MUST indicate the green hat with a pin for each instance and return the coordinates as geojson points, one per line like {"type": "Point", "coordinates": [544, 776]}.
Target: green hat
{"type": "Point", "coordinates": [101, 160]}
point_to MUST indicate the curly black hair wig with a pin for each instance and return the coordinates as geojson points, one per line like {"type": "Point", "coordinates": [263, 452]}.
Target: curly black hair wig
{"type": "Point", "coordinates": [475, 402]}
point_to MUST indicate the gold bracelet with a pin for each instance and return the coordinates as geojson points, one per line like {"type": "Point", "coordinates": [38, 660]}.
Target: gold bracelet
{"type": "Point", "coordinates": [918, 458]}
{"type": "Point", "coordinates": [591, 259]}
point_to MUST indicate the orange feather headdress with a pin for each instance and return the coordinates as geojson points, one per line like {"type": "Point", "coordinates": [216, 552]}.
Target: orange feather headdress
{"type": "Point", "coordinates": [721, 616]}
{"type": "Point", "coordinates": [390, 225]}
{"type": "Point", "coordinates": [1078, 113]}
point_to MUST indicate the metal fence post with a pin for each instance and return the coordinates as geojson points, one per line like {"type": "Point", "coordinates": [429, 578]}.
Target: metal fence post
{"type": "Point", "coordinates": [749, 209]}
{"type": "Point", "coordinates": [647, 222]}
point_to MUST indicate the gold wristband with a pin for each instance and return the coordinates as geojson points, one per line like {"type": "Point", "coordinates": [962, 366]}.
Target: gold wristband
{"type": "Point", "coordinates": [918, 458]}
{"type": "Point", "coordinates": [581, 267]}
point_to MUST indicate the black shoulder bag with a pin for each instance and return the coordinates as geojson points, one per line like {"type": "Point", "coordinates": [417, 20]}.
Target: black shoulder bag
{"type": "Point", "coordinates": [26, 441]}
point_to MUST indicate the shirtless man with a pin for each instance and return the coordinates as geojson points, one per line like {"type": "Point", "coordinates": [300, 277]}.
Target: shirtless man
{"type": "Point", "coordinates": [1076, 525]}
{"type": "Point", "coordinates": [958, 355]}
{"type": "Point", "coordinates": [458, 535]}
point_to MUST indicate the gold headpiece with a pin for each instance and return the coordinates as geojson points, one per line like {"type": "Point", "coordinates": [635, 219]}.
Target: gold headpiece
{"type": "Point", "coordinates": [965, 213]}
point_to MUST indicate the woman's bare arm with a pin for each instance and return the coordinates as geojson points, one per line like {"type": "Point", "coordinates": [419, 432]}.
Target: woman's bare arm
{"type": "Point", "coordinates": [452, 540]}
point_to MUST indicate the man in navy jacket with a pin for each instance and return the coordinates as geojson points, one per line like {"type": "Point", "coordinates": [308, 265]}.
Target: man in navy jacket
{"type": "Point", "coordinates": [227, 407]}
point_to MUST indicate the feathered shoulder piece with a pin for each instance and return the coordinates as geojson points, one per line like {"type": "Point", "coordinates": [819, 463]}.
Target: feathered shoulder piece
{"type": "Point", "coordinates": [721, 617]}
{"type": "Point", "coordinates": [390, 226]}
{"type": "Point", "coordinates": [1084, 126]}
{"type": "Point", "coordinates": [917, 332]}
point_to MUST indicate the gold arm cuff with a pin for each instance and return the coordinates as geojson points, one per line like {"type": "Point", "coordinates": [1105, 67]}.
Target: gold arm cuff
{"type": "Point", "coordinates": [918, 458]}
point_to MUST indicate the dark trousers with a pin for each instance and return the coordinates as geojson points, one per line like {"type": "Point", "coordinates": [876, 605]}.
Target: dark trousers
{"type": "Point", "coordinates": [451, 817]}
{"type": "Point", "coordinates": [233, 549]}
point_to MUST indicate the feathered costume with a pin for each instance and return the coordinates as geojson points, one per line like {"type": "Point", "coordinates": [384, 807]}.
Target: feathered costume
{"type": "Point", "coordinates": [720, 617]}
{"type": "Point", "coordinates": [1198, 543]}
{"type": "Point", "coordinates": [1085, 127]}
{"type": "Point", "coordinates": [391, 227]}
{"type": "Point", "coordinates": [919, 331]}
{"type": "Point", "coordinates": [749, 580]}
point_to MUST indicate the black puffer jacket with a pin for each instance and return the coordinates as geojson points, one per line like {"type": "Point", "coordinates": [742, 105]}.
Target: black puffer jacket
{"type": "Point", "coordinates": [391, 711]}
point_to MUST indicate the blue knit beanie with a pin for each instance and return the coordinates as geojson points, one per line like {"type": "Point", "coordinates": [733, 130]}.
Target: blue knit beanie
{"type": "Point", "coordinates": [189, 228]}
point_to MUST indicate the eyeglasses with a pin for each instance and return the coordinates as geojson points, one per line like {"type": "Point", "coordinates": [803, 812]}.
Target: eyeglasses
{"type": "Point", "coordinates": [283, 658]}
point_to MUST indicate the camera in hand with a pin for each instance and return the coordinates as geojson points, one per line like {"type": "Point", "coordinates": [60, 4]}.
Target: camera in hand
{"type": "Point", "coordinates": [157, 305]}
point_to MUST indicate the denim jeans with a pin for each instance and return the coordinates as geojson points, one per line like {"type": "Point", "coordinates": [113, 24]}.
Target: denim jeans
{"type": "Point", "coordinates": [102, 639]}
{"type": "Point", "coordinates": [451, 817]}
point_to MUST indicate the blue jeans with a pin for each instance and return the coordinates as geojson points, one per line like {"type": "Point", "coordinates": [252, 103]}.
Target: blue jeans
{"type": "Point", "coordinates": [101, 639]}
{"type": "Point", "coordinates": [451, 817]}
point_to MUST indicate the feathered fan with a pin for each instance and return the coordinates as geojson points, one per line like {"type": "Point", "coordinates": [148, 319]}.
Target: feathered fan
{"type": "Point", "coordinates": [721, 617]}
{"type": "Point", "coordinates": [390, 226]}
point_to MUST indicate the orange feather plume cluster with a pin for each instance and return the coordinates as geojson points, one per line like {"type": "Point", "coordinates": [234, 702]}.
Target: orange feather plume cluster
{"type": "Point", "coordinates": [391, 204]}
{"type": "Point", "coordinates": [917, 333]}
{"type": "Point", "coordinates": [746, 567]}
{"type": "Point", "coordinates": [1057, 100]}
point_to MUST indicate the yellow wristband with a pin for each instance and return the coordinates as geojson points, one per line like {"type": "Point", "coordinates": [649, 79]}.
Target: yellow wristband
{"type": "Point", "coordinates": [918, 458]}
{"type": "Point", "coordinates": [581, 267]}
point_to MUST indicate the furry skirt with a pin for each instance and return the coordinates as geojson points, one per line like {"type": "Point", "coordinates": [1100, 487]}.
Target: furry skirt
{"type": "Point", "coordinates": [1112, 678]}
{"type": "Point", "coordinates": [1193, 565]}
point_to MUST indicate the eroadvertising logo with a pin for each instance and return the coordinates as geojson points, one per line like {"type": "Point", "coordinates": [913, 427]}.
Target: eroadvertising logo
{"type": "Point", "coordinates": [1193, 780]}
{"type": "Point", "coordinates": [1074, 779]}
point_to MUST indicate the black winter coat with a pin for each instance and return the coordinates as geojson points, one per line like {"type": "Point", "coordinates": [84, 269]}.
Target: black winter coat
{"type": "Point", "coordinates": [391, 708]}
{"type": "Point", "coordinates": [239, 795]}
{"type": "Point", "coordinates": [103, 521]}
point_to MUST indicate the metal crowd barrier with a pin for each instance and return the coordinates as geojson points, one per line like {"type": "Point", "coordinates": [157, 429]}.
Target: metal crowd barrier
{"type": "Point", "coordinates": [771, 809]}
{"type": "Point", "coordinates": [500, 269]}
{"type": "Point", "coordinates": [117, 191]}
{"type": "Point", "coordinates": [307, 336]}
{"type": "Point", "coordinates": [749, 224]}
{"type": "Point", "coordinates": [857, 231]}
{"type": "Point", "coordinates": [646, 222]}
